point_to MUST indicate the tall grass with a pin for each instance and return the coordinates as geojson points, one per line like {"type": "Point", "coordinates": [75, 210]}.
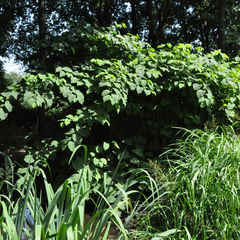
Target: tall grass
{"type": "Point", "coordinates": [64, 216]}
{"type": "Point", "coordinates": [204, 197]}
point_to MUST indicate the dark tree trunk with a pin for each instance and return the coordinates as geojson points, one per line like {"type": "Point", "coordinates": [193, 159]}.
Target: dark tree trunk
{"type": "Point", "coordinates": [151, 22]}
{"type": "Point", "coordinates": [162, 19]}
{"type": "Point", "coordinates": [157, 18]}
{"type": "Point", "coordinates": [42, 56]}
{"type": "Point", "coordinates": [134, 17]}
{"type": "Point", "coordinates": [42, 31]}
{"type": "Point", "coordinates": [221, 23]}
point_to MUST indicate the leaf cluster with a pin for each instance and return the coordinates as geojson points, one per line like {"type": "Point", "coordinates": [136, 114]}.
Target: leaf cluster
{"type": "Point", "coordinates": [128, 95]}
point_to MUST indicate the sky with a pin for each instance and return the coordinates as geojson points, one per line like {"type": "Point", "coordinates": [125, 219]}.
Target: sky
{"type": "Point", "coordinates": [11, 66]}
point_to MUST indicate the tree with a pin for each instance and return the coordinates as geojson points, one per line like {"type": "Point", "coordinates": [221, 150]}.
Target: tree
{"type": "Point", "coordinates": [7, 17]}
{"type": "Point", "coordinates": [221, 23]}
{"type": "Point", "coordinates": [157, 22]}
{"type": "Point", "coordinates": [41, 121]}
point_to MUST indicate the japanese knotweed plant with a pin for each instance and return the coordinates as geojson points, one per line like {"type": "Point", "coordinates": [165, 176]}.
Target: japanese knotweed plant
{"type": "Point", "coordinates": [125, 94]}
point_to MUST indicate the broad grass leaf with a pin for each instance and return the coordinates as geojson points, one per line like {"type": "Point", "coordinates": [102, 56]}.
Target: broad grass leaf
{"type": "Point", "coordinates": [39, 233]}
{"type": "Point", "coordinates": [165, 234]}
{"type": "Point", "coordinates": [62, 232]}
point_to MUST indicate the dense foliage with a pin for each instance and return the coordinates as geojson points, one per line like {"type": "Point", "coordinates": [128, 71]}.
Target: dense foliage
{"type": "Point", "coordinates": [126, 96]}
{"type": "Point", "coordinates": [120, 91]}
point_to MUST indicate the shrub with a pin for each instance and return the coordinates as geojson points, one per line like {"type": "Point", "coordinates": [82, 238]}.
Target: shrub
{"type": "Point", "coordinates": [126, 95]}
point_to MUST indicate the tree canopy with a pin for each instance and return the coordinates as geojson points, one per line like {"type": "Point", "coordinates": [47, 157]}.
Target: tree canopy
{"type": "Point", "coordinates": [28, 27]}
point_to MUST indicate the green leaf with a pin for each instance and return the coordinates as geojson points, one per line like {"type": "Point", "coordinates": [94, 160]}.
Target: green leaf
{"type": "Point", "coordinates": [74, 79]}
{"type": "Point", "coordinates": [28, 95]}
{"type": "Point", "coordinates": [230, 106]}
{"type": "Point", "coordinates": [128, 141]}
{"type": "Point", "coordinates": [115, 144]}
{"type": "Point", "coordinates": [200, 93]}
{"type": "Point", "coordinates": [138, 152]}
{"type": "Point", "coordinates": [62, 232]}
{"type": "Point", "coordinates": [181, 85]}
{"type": "Point", "coordinates": [165, 101]}
{"type": "Point", "coordinates": [156, 75]}
{"type": "Point", "coordinates": [71, 146]}
{"type": "Point", "coordinates": [3, 115]}
{"type": "Point", "coordinates": [84, 132]}
{"type": "Point", "coordinates": [8, 105]}
{"type": "Point", "coordinates": [62, 74]}
{"type": "Point", "coordinates": [39, 232]}
{"type": "Point", "coordinates": [169, 45]}
{"type": "Point", "coordinates": [197, 86]}
{"type": "Point", "coordinates": [149, 74]}
{"type": "Point", "coordinates": [96, 161]}
{"type": "Point", "coordinates": [147, 92]}
{"type": "Point", "coordinates": [230, 113]}
{"type": "Point", "coordinates": [80, 97]}
{"type": "Point", "coordinates": [105, 84]}
{"type": "Point", "coordinates": [29, 158]}
{"type": "Point", "coordinates": [106, 98]}
{"type": "Point", "coordinates": [172, 61]}
{"type": "Point", "coordinates": [237, 59]}
{"type": "Point", "coordinates": [67, 69]}
{"type": "Point", "coordinates": [133, 86]}
{"type": "Point", "coordinates": [104, 161]}
{"type": "Point", "coordinates": [197, 119]}
{"type": "Point", "coordinates": [100, 62]}
{"type": "Point", "coordinates": [106, 92]}
{"type": "Point", "coordinates": [162, 235]}
{"type": "Point", "coordinates": [139, 89]}
{"type": "Point", "coordinates": [54, 143]}
{"type": "Point", "coordinates": [135, 161]}
{"type": "Point", "coordinates": [140, 71]}
{"type": "Point", "coordinates": [106, 146]}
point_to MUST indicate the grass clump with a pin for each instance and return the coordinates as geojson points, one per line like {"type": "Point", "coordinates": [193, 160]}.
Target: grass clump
{"type": "Point", "coordinates": [204, 197]}
{"type": "Point", "coordinates": [64, 215]}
